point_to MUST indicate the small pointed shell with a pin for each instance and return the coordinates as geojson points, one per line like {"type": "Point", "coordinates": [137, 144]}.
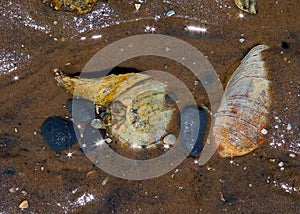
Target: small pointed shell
{"type": "Point", "coordinates": [101, 90]}
{"type": "Point", "coordinates": [246, 5]}
{"type": "Point", "coordinates": [244, 107]}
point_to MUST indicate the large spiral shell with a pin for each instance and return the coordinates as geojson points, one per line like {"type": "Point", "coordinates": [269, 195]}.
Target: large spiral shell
{"type": "Point", "coordinates": [242, 115]}
{"type": "Point", "coordinates": [136, 106]}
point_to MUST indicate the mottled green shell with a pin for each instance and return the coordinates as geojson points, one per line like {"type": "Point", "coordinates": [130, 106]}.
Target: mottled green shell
{"type": "Point", "coordinates": [141, 115]}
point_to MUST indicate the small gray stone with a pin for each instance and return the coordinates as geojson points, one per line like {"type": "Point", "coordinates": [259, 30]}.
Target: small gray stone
{"type": "Point", "coordinates": [82, 110]}
{"type": "Point", "coordinates": [193, 126]}
{"type": "Point", "coordinates": [170, 139]}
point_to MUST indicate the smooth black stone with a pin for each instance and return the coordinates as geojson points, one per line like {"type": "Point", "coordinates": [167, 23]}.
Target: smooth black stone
{"type": "Point", "coordinates": [58, 133]}
{"type": "Point", "coordinates": [193, 126]}
{"type": "Point", "coordinates": [81, 110]}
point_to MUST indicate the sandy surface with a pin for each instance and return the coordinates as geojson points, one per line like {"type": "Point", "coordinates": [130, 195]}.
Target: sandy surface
{"type": "Point", "coordinates": [35, 39]}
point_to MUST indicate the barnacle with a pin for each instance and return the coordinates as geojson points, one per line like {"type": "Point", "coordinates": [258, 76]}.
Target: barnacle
{"type": "Point", "coordinates": [79, 6]}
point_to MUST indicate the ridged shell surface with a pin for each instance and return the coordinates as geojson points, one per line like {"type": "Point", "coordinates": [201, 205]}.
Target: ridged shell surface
{"type": "Point", "coordinates": [243, 112]}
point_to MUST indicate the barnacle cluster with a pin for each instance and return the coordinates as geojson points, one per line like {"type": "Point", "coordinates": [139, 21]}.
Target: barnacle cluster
{"type": "Point", "coordinates": [78, 6]}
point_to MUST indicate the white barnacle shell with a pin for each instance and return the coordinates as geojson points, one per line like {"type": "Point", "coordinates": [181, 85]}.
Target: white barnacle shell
{"type": "Point", "coordinates": [244, 107]}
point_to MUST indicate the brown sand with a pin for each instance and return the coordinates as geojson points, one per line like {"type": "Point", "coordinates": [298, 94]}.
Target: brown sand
{"type": "Point", "coordinates": [53, 183]}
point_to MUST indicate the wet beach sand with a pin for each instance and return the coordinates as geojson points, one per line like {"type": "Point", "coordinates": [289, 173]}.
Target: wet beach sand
{"type": "Point", "coordinates": [36, 39]}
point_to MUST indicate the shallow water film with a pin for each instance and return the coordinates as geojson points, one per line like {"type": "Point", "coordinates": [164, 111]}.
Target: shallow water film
{"type": "Point", "coordinates": [37, 41]}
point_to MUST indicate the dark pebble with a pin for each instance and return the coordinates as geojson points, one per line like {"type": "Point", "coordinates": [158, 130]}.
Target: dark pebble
{"type": "Point", "coordinates": [81, 110]}
{"type": "Point", "coordinates": [171, 98]}
{"type": "Point", "coordinates": [58, 133]}
{"type": "Point", "coordinates": [285, 45]}
{"type": "Point", "coordinates": [193, 125]}
{"type": "Point", "coordinates": [9, 171]}
{"type": "Point", "coordinates": [90, 137]}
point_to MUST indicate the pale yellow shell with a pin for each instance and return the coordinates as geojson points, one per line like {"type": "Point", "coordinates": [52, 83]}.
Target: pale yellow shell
{"type": "Point", "coordinates": [101, 90]}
